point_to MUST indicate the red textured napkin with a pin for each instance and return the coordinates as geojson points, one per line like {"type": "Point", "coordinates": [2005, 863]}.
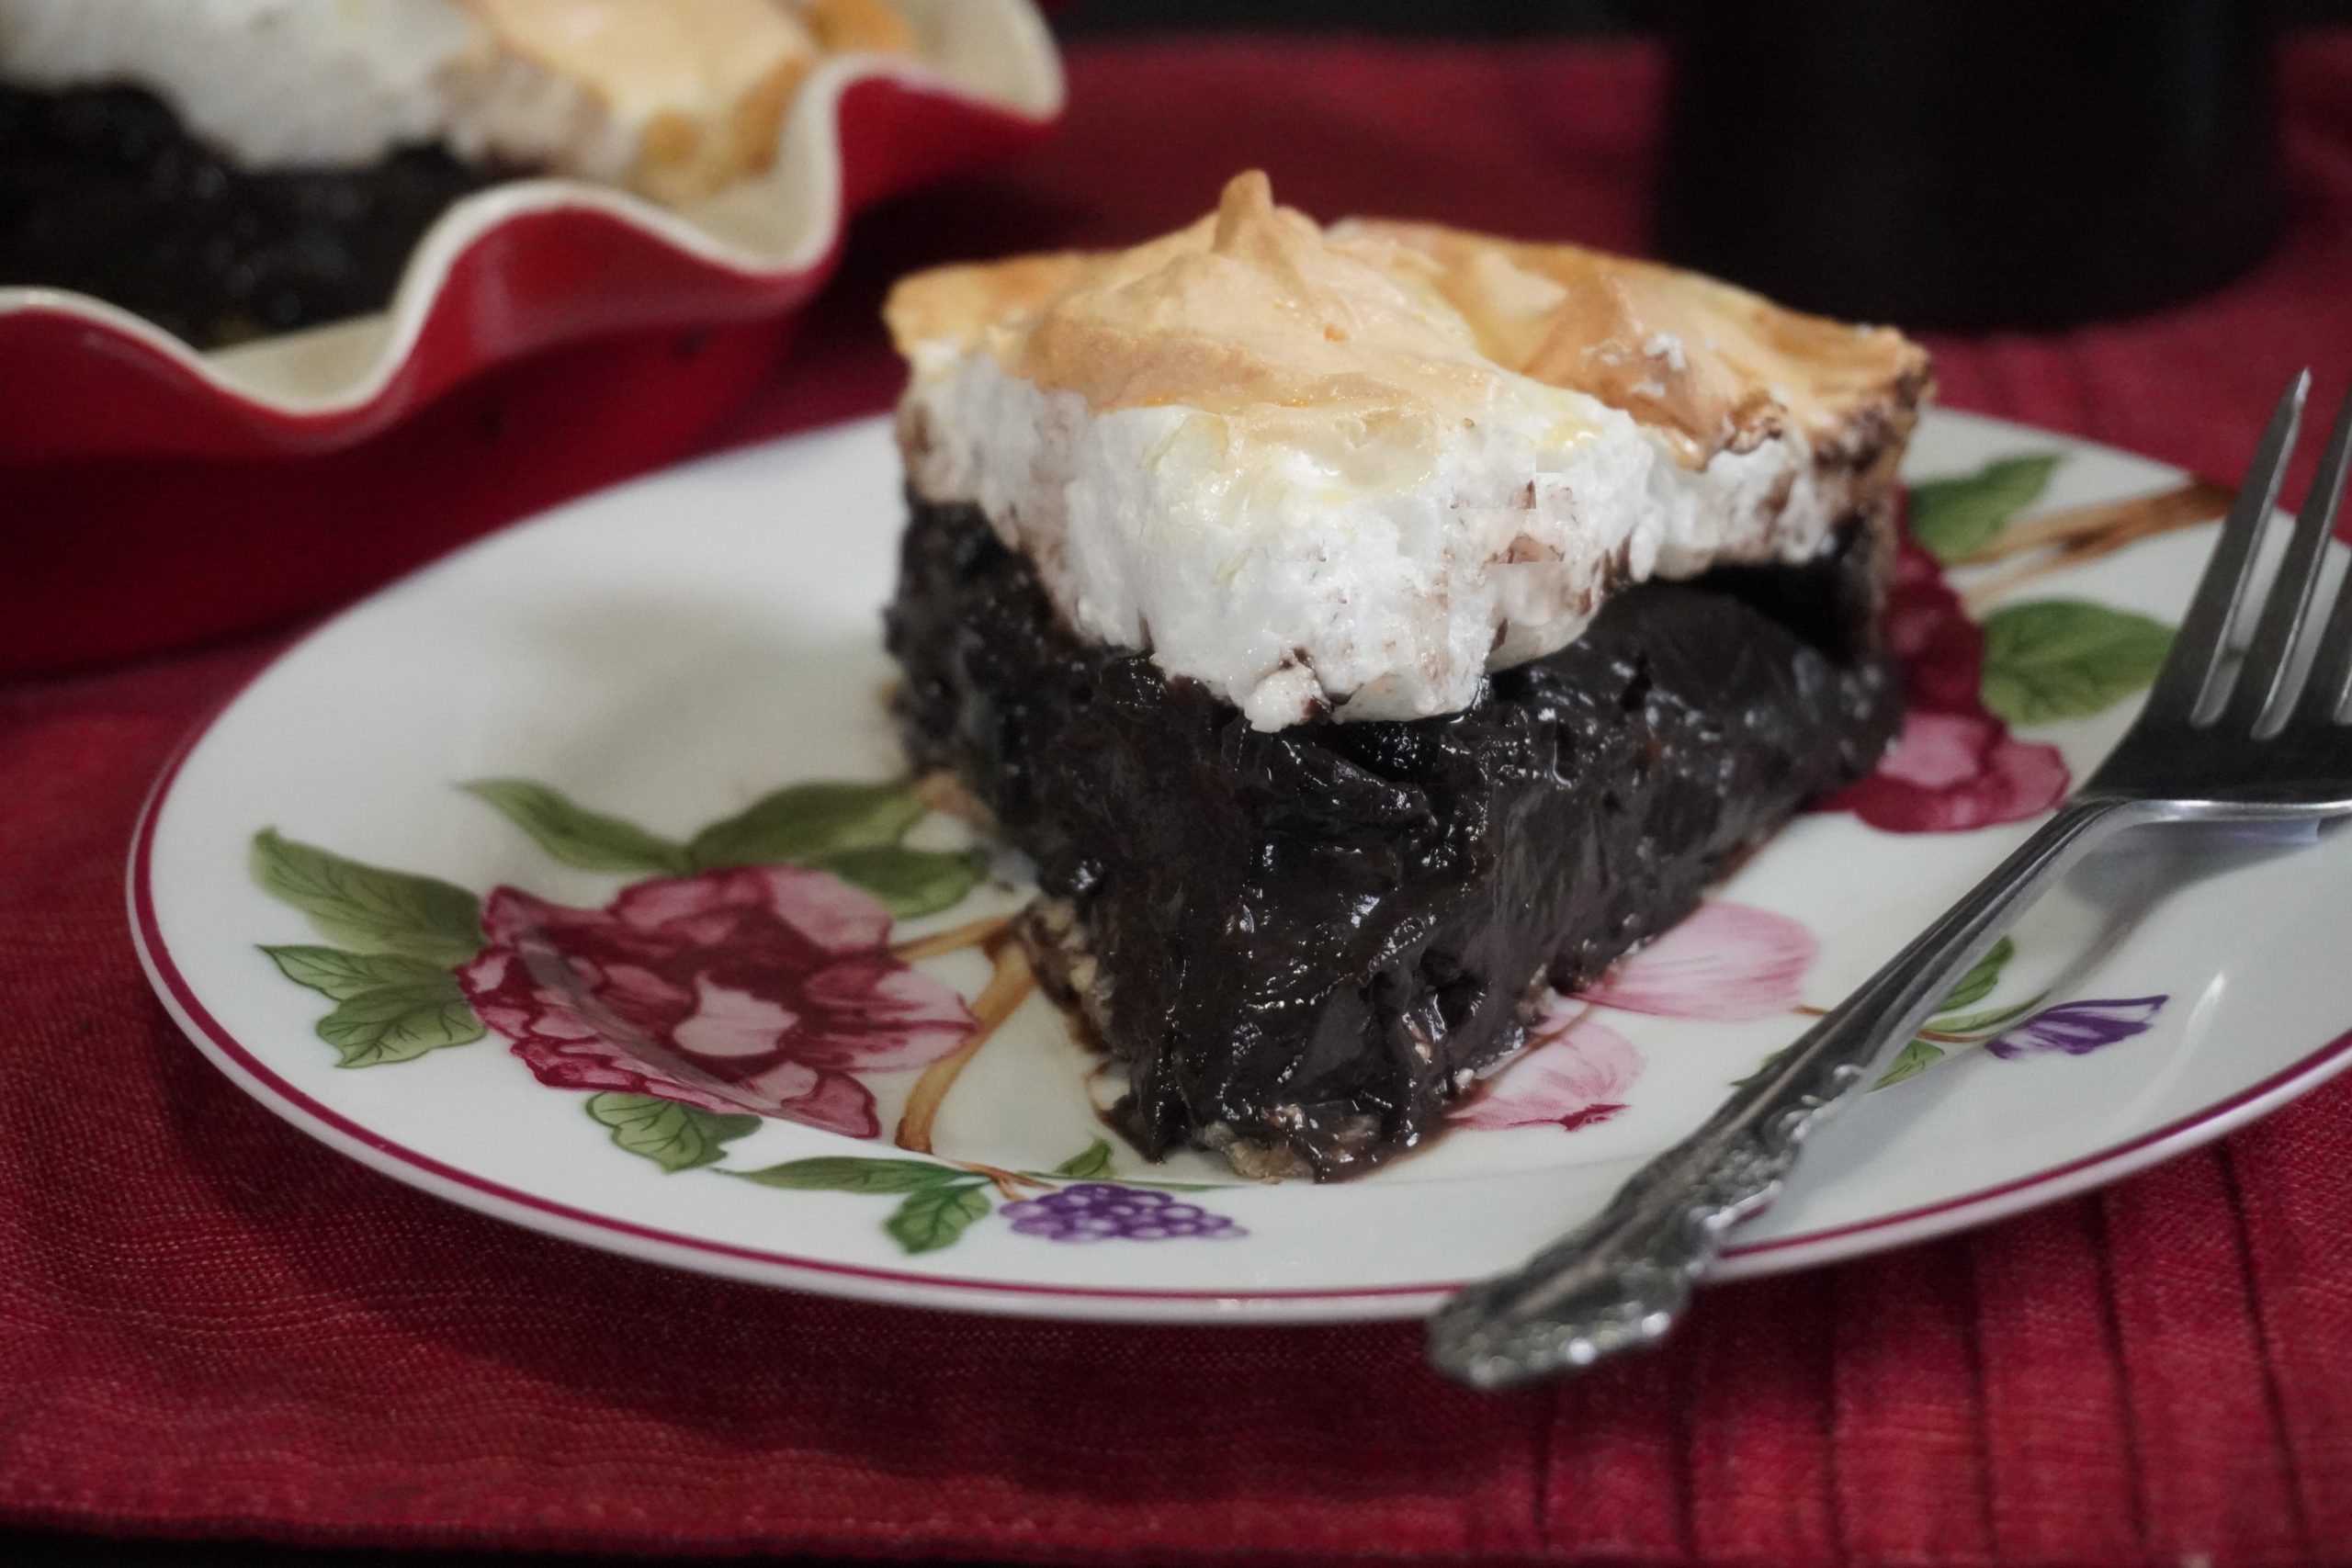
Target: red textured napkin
{"type": "Point", "coordinates": [209, 1324]}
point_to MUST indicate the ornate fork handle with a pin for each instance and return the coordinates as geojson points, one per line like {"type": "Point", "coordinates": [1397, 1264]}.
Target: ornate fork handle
{"type": "Point", "coordinates": [1621, 1279]}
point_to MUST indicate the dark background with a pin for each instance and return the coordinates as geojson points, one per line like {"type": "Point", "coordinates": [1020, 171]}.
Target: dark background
{"type": "Point", "coordinates": [1485, 18]}
{"type": "Point", "coordinates": [1468, 19]}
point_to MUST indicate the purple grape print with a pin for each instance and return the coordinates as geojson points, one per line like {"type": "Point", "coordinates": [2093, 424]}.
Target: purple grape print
{"type": "Point", "coordinates": [1098, 1211]}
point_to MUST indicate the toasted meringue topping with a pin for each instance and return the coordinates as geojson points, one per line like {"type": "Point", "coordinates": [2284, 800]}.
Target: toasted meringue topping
{"type": "Point", "coordinates": [704, 82]}
{"type": "Point", "coordinates": [869, 27]}
{"type": "Point", "coordinates": [1712, 367]}
{"type": "Point", "coordinates": [1255, 305]}
{"type": "Point", "coordinates": [1354, 468]}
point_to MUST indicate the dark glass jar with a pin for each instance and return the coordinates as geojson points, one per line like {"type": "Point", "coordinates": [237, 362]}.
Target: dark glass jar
{"type": "Point", "coordinates": [1971, 162]}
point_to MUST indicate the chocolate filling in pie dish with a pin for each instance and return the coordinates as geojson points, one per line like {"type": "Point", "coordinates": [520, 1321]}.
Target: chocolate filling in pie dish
{"type": "Point", "coordinates": [1368, 630]}
{"type": "Point", "coordinates": [235, 168]}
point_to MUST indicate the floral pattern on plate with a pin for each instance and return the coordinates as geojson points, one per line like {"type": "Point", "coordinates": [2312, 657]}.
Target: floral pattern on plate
{"type": "Point", "coordinates": [1075, 1202]}
{"type": "Point", "coordinates": [1956, 765]}
{"type": "Point", "coordinates": [751, 973]}
{"type": "Point", "coordinates": [1731, 963]}
{"type": "Point", "coordinates": [757, 980]}
{"type": "Point", "coordinates": [766, 989]}
{"type": "Point", "coordinates": [673, 647]}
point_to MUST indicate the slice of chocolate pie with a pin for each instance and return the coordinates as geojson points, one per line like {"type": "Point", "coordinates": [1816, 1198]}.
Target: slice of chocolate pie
{"type": "Point", "coordinates": [1367, 629]}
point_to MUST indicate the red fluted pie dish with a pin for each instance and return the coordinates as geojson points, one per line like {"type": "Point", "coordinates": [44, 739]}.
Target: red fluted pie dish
{"type": "Point", "coordinates": [547, 335]}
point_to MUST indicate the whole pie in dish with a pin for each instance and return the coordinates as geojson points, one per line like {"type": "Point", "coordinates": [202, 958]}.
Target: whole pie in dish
{"type": "Point", "coordinates": [231, 168]}
{"type": "Point", "coordinates": [1369, 629]}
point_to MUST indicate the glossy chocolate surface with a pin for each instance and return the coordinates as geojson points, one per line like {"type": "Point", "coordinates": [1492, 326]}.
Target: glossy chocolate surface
{"type": "Point", "coordinates": [1305, 944]}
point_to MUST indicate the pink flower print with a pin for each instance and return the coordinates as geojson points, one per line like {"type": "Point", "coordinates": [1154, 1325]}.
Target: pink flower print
{"type": "Point", "coordinates": [1939, 651]}
{"type": "Point", "coordinates": [1955, 766]}
{"type": "Point", "coordinates": [1951, 771]}
{"type": "Point", "coordinates": [1574, 1073]}
{"type": "Point", "coordinates": [762, 988]}
{"type": "Point", "coordinates": [1726, 962]}
{"type": "Point", "coordinates": [1729, 963]}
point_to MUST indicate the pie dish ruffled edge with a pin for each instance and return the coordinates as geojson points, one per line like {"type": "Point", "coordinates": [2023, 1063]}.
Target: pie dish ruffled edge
{"type": "Point", "coordinates": [534, 263]}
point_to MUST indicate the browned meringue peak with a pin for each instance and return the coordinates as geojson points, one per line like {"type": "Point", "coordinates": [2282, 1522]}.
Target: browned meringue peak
{"type": "Point", "coordinates": [869, 27]}
{"type": "Point", "coordinates": [705, 83]}
{"type": "Point", "coordinates": [1250, 307]}
{"type": "Point", "coordinates": [1716, 366]}
{"type": "Point", "coordinates": [1256, 306]}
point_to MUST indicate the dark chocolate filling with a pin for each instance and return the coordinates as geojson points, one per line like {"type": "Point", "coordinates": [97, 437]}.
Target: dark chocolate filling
{"type": "Point", "coordinates": [104, 192]}
{"type": "Point", "coordinates": [1307, 944]}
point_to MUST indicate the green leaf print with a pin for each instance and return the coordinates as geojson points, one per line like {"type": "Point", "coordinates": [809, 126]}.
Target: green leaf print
{"type": "Point", "coordinates": [575, 835]}
{"type": "Point", "coordinates": [909, 883]}
{"type": "Point", "coordinates": [2054, 659]}
{"type": "Point", "coordinates": [400, 1022]}
{"type": "Point", "coordinates": [854, 1173]}
{"type": "Point", "coordinates": [1916, 1059]}
{"type": "Point", "coordinates": [1956, 516]}
{"type": "Point", "coordinates": [673, 1136]}
{"type": "Point", "coordinates": [343, 976]}
{"type": "Point", "coordinates": [936, 1216]}
{"type": "Point", "coordinates": [1989, 1021]}
{"type": "Point", "coordinates": [1093, 1162]}
{"type": "Point", "coordinates": [1978, 983]}
{"type": "Point", "coordinates": [365, 908]}
{"type": "Point", "coordinates": [805, 823]}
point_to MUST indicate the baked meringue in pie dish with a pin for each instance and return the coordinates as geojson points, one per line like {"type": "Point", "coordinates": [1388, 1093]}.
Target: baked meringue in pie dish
{"type": "Point", "coordinates": [1369, 629]}
{"type": "Point", "coordinates": [231, 168]}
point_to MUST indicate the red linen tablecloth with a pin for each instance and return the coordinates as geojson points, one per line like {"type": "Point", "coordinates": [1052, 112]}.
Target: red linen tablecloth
{"type": "Point", "coordinates": [209, 1324]}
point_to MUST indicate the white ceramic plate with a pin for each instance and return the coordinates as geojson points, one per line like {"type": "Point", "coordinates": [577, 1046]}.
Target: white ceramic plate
{"type": "Point", "coordinates": [669, 653]}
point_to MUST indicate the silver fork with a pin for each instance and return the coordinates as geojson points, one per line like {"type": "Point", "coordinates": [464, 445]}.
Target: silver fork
{"type": "Point", "coordinates": [2214, 743]}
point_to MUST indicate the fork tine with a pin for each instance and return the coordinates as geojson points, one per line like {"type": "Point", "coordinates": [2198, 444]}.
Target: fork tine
{"type": "Point", "coordinates": [2331, 673]}
{"type": "Point", "coordinates": [2197, 648]}
{"type": "Point", "coordinates": [2263, 679]}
